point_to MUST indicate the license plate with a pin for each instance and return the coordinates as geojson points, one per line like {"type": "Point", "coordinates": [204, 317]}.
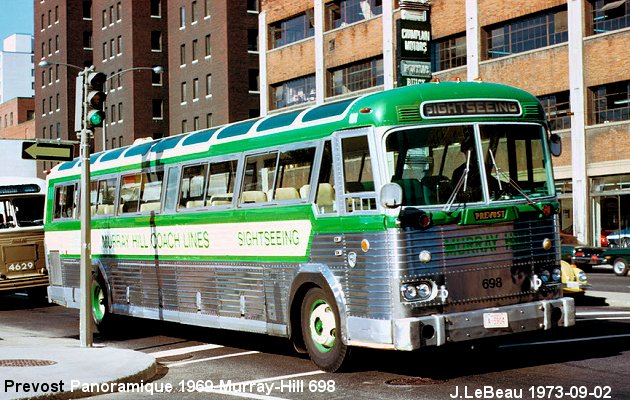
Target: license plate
{"type": "Point", "coordinates": [495, 320]}
{"type": "Point", "coordinates": [573, 285]}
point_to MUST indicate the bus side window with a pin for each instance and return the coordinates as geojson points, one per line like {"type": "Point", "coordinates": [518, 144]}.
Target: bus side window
{"type": "Point", "coordinates": [172, 183]}
{"type": "Point", "coordinates": [357, 172]}
{"type": "Point", "coordinates": [294, 173]}
{"type": "Point", "coordinates": [151, 192]}
{"type": "Point", "coordinates": [102, 196]}
{"type": "Point", "coordinates": [130, 193]}
{"type": "Point", "coordinates": [259, 177]}
{"type": "Point", "coordinates": [325, 196]}
{"type": "Point", "coordinates": [221, 183]}
{"type": "Point", "coordinates": [193, 186]}
{"type": "Point", "coordinates": [65, 201]}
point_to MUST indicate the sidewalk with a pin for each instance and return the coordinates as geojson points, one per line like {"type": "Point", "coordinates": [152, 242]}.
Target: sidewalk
{"type": "Point", "coordinates": [613, 299]}
{"type": "Point", "coordinates": [38, 367]}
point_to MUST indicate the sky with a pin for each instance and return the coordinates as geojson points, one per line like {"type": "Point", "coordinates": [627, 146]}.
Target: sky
{"type": "Point", "coordinates": [16, 17]}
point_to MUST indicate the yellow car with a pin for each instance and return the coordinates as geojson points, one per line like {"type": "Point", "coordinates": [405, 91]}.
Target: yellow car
{"type": "Point", "coordinates": [574, 280]}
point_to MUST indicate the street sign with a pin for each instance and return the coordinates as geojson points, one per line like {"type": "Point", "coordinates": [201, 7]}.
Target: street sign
{"type": "Point", "coordinates": [48, 151]}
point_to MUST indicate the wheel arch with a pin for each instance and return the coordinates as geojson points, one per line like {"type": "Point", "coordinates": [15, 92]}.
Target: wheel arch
{"type": "Point", "coordinates": [313, 275]}
{"type": "Point", "coordinates": [99, 269]}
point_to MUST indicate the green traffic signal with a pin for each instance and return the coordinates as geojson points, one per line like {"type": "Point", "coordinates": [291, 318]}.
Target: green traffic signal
{"type": "Point", "coordinates": [96, 118]}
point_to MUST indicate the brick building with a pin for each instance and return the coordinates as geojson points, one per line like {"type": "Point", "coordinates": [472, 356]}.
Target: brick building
{"type": "Point", "coordinates": [571, 54]}
{"type": "Point", "coordinates": [17, 118]}
{"type": "Point", "coordinates": [137, 97]}
{"type": "Point", "coordinates": [213, 63]}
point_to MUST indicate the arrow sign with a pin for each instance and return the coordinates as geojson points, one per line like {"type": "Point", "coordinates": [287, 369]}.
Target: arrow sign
{"type": "Point", "coordinates": [47, 151]}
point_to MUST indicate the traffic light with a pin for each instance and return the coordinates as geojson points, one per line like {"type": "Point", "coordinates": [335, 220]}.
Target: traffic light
{"type": "Point", "coordinates": [94, 99]}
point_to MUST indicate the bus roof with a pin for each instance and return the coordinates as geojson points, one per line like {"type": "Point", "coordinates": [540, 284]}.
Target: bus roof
{"type": "Point", "coordinates": [391, 107]}
{"type": "Point", "coordinates": [21, 185]}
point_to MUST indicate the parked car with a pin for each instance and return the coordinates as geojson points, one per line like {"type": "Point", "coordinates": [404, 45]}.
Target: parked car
{"type": "Point", "coordinates": [574, 280]}
{"type": "Point", "coordinates": [620, 238]}
{"type": "Point", "coordinates": [582, 256]}
{"type": "Point", "coordinates": [620, 257]}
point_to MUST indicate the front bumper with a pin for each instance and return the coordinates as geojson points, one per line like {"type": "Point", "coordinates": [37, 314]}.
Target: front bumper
{"type": "Point", "coordinates": [437, 330]}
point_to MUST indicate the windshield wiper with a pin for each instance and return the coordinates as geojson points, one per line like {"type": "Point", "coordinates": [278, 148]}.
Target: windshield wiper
{"type": "Point", "coordinates": [463, 181]}
{"type": "Point", "coordinates": [500, 174]}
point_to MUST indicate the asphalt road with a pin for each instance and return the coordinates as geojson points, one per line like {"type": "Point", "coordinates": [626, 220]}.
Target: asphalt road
{"type": "Point", "coordinates": [607, 281]}
{"type": "Point", "coordinates": [199, 363]}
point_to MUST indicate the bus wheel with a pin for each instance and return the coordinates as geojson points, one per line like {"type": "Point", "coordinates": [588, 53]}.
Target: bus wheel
{"type": "Point", "coordinates": [620, 266]}
{"type": "Point", "coordinates": [321, 330]}
{"type": "Point", "coordinates": [100, 307]}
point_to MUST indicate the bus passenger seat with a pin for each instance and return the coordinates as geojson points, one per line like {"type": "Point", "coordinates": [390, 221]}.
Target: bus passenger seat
{"type": "Point", "coordinates": [253, 196]}
{"type": "Point", "coordinates": [325, 197]}
{"type": "Point", "coordinates": [151, 206]}
{"type": "Point", "coordinates": [194, 203]}
{"type": "Point", "coordinates": [286, 193]}
{"type": "Point", "coordinates": [304, 191]}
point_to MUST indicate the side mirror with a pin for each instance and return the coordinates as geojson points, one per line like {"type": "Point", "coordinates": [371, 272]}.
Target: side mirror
{"type": "Point", "coordinates": [555, 144]}
{"type": "Point", "coordinates": [391, 195]}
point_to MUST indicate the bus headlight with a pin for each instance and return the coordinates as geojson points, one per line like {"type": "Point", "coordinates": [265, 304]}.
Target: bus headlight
{"type": "Point", "coordinates": [545, 276]}
{"type": "Point", "coordinates": [546, 243]}
{"type": "Point", "coordinates": [556, 275]}
{"type": "Point", "coordinates": [418, 291]}
{"type": "Point", "coordinates": [425, 256]}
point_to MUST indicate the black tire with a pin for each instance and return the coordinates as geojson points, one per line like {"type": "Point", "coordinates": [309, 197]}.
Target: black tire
{"type": "Point", "coordinates": [104, 320]}
{"type": "Point", "coordinates": [321, 330]}
{"type": "Point", "coordinates": [620, 266]}
{"type": "Point", "coordinates": [38, 295]}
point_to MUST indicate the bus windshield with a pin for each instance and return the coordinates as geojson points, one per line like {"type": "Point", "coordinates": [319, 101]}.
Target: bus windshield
{"type": "Point", "coordinates": [441, 165]}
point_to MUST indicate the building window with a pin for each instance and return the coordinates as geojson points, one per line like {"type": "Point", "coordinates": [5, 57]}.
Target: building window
{"type": "Point", "coordinates": [557, 108]}
{"type": "Point", "coordinates": [529, 33]}
{"type": "Point", "coordinates": [87, 40]}
{"type": "Point", "coordinates": [206, 8]}
{"type": "Point", "coordinates": [611, 102]}
{"type": "Point", "coordinates": [43, 50]}
{"type": "Point", "coordinates": [184, 126]}
{"type": "Point", "coordinates": [157, 110]}
{"type": "Point", "coordinates": [118, 11]}
{"type": "Point", "coordinates": [112, 49]}
{"type": "Point", "coordinates": [357, 76]}
{"type": "Point", "coordinates": [293, 92]}
{"type": "Point", "coordinates": [194, 50]}
{"type": "Point", "coordinates": [43, 78]}
{"type": "Point", "coordinates": [208, 46]}
{"type": "Point", "coordinates": [208, 85]}
{"type": "Point", "coordinates": [119, 45]}
{"type": "Point", "coordinates": [343, 12]}
{"type": "Point", "coordinates": [196, 124]}
{"type": "Point", "coordinates": [104, 51]}
{"type": "Point", "coordinates": [156, 79]}
{"type": "Point", "coordinates": [56, 14]}
{"type": "Point", "coordinates": [120, 141]}
{"type": "Point", "coordinates": [292, 29]}
{"type": "Point", "coordinates": [182, 54]}
{"type": "Point", "coordinates": [56, 43]}
{"type": "Point", "coordinates": [118, 77]}
{"type": "Point", "coordinates": [87, 9]}
{"type": "Point", "coordinates": [183, 92]}
{"type": "Point", "coordinates": [252, 39]}
{"type": "Point", "coordinates": [254, 78]}
{"type": "Point", "coordinates": [43, 25]}
{"type": "Point", "coordinates": [182, 17]}
{"type": "Point", "coordinates": [112, 115]}
{"type": "Point", "coordinates": [448, 53]}
{"type": "Point", "coordinates": [50, 47]}
{"type": "Point", "coordinates": [609, 15]}
{"type": "Point", "coordinates": [57, 102]}
{"type": "Point", "coordinates": [156, 8]}
{"type": "Point", "coordinates": [104, 19]}
{"type": "Point", "coordinates": [252, 5]}
{"type": "Point", "coordinates": [58, 132]}
{"type": "Point", "coordinates": [49, 18]}
{"type": "Point", "coordinates": [193, 12]}
{"type": "Point", "coordinates": [195, 89]}
{"type": "Point", "coordinates": [120, 114]}
{"type": "Point", "coordinates": [111, 15]}
{"type": "Point", "coordinates": [209, 123]}
{"type": "Point", "coordinates": [156, 41]}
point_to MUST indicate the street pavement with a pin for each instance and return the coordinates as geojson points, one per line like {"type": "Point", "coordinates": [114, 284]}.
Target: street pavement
{"type": "Point", "coordinates": [41, 367]}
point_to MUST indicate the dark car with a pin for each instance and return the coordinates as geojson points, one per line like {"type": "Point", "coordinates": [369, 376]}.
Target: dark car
{"type": "Point", "coordinates": [620, 257]}
{"type": "Point", "coordinates": [584, 257]}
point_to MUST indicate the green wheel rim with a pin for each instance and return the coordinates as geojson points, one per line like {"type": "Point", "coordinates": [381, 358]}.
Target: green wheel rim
{"type": "Point", "coordinates": [322, 326]}
{"type": "Point", "coordinates": [98, 302]}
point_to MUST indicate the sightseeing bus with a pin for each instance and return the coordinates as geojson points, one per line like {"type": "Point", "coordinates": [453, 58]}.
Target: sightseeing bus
{"type": "Point", "coordinates": [407, 218]}
{"type": "Point", "coordinates": [23, 265]}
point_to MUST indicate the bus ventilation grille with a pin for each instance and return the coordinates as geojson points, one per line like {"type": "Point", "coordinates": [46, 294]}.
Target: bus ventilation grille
{"type": "Point", "coordinates": [408, 113]}
{"type": "Point", "coordinates": [531, 110]}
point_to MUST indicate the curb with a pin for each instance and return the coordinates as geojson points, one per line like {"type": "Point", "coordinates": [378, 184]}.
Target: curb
{"type": "Point", "coordinates": [612, 299]}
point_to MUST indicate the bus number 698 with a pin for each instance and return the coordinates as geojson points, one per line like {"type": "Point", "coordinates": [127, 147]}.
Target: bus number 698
{"type": "Point", "coordinates": [492, 283]}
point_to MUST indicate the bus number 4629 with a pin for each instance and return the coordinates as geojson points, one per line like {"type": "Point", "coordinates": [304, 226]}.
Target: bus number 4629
{"type": "Point", "coordinates": [22, 266]}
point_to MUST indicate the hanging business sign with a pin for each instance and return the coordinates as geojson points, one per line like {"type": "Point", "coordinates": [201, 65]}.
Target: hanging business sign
{"type": "Point", "coordinates": [413, 51]}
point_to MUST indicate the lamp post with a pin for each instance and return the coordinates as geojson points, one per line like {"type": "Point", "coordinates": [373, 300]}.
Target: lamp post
{"type": "Point", "coordinates": [157, 69]}
{"type": "Point", "coordinates": [85, 310]}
